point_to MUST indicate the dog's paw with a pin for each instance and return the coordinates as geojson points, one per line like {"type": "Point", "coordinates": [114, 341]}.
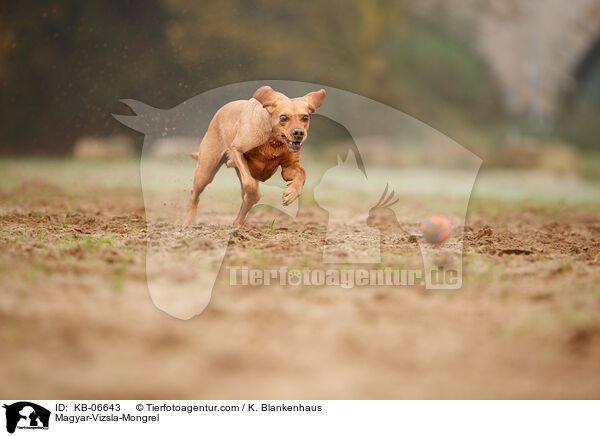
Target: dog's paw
{"type": "Point", "coordinates": [237, 224]}
{"type": "Point", "coordinates": [290, 194]}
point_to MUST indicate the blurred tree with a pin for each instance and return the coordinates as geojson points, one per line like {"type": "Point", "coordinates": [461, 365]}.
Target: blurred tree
{"type": "Point", "coordinates": [336, 43]}
{"type": "Point", "coordinates": [70, 63]}
{"type": "Point", "coordinates": [578, 119]}
{"type": "Point", "coordinates": [66, 64]}
{"type": "Point", "coordinates": [377, 48]}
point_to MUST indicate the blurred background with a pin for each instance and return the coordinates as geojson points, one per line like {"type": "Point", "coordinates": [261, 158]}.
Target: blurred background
{"type": "Point", "coordinates": [517, 82]}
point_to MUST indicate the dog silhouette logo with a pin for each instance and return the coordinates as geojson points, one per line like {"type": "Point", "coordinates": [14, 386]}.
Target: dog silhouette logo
{"type": "Point", "coordinates": [26, 415]}
{"type": "Point", "coordinates": [385, 147]}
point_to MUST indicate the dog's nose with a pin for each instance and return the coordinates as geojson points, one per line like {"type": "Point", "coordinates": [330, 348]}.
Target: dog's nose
{"type": "Point", "coordinates": [298, 133]}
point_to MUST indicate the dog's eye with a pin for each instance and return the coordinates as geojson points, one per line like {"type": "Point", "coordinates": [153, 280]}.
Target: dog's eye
{"type": "Point", "coordinates": [305, 118]}
{"type": "Point", "coordinates": [283, 118]}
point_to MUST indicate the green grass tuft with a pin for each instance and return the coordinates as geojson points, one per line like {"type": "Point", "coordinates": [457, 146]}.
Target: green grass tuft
{"type": "Point", "coordinates": [310, 231]}
{"type": "Point", "coordinates": [270, 228]}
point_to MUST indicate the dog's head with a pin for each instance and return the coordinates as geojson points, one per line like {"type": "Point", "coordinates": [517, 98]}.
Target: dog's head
{"type": "Point", "coordinates": [290, 117]}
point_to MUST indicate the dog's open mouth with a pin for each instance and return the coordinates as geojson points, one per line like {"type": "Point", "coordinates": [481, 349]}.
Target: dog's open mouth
{"type": "Point", "coordinates": [292, 145]}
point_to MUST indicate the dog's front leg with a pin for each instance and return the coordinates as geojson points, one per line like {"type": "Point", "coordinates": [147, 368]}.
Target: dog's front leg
{"type": "Point", "coordinates": [295, 173]}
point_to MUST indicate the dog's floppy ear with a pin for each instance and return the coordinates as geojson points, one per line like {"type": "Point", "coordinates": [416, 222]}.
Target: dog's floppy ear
{"type": "Point", "coordinates": [266, 96]}
{"type": "Point", "coordinates": [315, 99]}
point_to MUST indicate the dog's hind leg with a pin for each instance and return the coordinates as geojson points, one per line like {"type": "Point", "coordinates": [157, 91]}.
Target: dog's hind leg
{"type": "Point", "coordinates": [250, 196]}
{"type": "Point", "coordinates": [210, 159]}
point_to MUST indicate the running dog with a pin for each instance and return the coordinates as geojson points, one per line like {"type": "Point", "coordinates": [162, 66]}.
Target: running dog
{"type": "Point", "coordinates": [255, 137]}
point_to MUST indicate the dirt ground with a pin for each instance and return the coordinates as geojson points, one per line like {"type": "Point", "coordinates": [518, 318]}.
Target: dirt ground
{"type": "Point", "coordinates": [76, 320]}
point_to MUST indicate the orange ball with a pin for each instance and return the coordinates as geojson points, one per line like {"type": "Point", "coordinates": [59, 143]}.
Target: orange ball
{"type": "Point", "coordinates": [436, 229]}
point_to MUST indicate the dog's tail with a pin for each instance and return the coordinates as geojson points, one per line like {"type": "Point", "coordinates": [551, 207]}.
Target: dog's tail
{"type": "Point", "coordinates": [194, 155]}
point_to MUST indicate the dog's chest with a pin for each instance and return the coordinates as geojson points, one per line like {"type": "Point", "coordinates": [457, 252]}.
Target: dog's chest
{"type": "Point", "coordinates": [264, 160]}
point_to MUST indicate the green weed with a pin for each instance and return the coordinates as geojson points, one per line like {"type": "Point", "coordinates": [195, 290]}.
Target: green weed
{"type": "Point", "coordinates": [310, 231]}
{"type": "Point", "coordinates": [270, 228]}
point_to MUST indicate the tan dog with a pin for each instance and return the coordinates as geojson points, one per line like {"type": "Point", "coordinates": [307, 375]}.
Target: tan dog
{"type": "Point", "coordinates": [255, 137]}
